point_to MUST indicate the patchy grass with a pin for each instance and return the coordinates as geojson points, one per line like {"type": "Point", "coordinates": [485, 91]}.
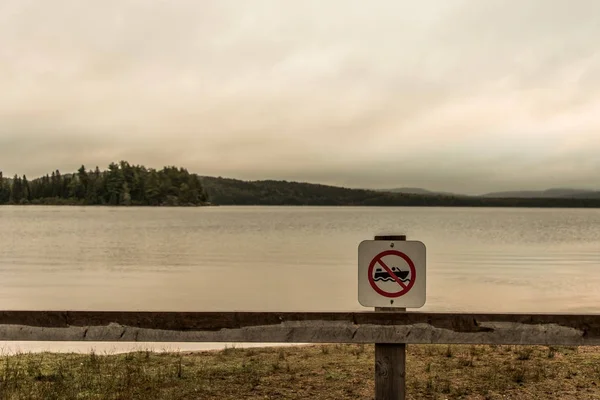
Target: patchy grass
{"type": "Point", "coordinates": [317, 372]}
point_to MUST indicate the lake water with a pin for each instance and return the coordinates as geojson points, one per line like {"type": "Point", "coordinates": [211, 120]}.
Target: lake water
{"type": "Point", "coordinates": [288, 259]}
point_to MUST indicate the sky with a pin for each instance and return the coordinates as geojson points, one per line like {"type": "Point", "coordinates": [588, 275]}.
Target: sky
{"type": "Point", "coordinates": [454, 95]}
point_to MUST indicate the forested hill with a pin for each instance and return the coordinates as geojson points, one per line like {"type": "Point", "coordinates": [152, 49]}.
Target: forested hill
{"type": "Point", "coordinates": [125, 184]}
{"type": "Point", "coordinates": [269, 192]}
{"type": "Point", "coordinates": [120, 184]}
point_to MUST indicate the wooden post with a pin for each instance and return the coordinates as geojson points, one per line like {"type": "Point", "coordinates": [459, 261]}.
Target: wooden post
{"type": "Point", "coordinates": [390, 359]}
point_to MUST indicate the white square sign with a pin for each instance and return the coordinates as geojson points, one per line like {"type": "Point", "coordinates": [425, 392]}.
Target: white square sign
{"type": "Point", "coordinates": [391, 273]}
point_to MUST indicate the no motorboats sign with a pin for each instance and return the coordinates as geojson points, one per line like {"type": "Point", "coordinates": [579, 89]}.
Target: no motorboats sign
{"type": "Point", "coordinates": [391, 273]}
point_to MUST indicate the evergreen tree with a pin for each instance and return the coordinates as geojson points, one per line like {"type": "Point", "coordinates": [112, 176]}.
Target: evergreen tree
{"type": "Point", "coordinates": [47, 189]}
{"type": "Point", "coordinates": [138, 189]}
{"type": "Point", "coordinates": [55, 188]}
{"type": "Point", "coordinates": [65, 187]}
{"type": "Point", "coordinates": [126, 195]}
{"type": "Point", "coordinates": [4, 190]}
{"type": "Point", "coordinates": [16, 193]}
{"type": "Point", "coordinates": [114, 184]}
{"type": "Point", "coordinates": [80, 188]}
{"type": "Point", "coordinates": [153, 188]}
{"type": "Point", "coordinates": [26, 189]}
{"type": "Point", "coordinates": [196, 191]}
{"type": "Point", "coordinates": [185, 194]}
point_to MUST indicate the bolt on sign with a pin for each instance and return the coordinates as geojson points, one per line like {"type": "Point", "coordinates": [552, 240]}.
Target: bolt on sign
{"type": "Point", "coordinates": [391, 273]}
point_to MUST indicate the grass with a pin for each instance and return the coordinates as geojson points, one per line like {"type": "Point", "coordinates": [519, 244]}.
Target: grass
{"type": "Point", "coordinates": [317, 372]}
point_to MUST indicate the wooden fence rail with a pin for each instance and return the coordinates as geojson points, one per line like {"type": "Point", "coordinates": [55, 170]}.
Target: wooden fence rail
{"type": "Point", "coordinates": [302, 327]}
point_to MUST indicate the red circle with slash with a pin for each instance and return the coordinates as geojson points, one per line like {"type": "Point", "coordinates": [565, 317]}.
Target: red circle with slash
{"type": "Point", "coordinates": [404, 288]}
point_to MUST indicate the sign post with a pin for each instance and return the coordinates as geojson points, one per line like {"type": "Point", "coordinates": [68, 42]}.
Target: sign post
{"type": "Point", "coordinates": [391, 277]}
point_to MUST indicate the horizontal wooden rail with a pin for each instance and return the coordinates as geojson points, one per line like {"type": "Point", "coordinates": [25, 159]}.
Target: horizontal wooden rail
{"type": "Point", "coordinates": [302, 327]}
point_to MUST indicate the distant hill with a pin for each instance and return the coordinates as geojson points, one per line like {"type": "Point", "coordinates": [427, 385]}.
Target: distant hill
{"type": "Point", "coordinates": [410, 190]}
{"type": "Point", "coordinates": [587, 195]}
{"type": "Point", "coordinates": [225, 191]}
{"type": "Point", "coordinates": [544, 194]}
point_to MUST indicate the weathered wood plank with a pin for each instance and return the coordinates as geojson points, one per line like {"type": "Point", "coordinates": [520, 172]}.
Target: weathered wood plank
{"type": "Point", "coordinates": [302, 327]}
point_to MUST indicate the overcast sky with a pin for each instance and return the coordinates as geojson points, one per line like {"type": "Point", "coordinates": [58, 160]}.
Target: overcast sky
{"type": "Point", "coordinates": [467, 96]}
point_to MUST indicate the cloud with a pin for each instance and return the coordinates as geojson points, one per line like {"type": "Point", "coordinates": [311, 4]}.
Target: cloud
{"type": "Point", "coordinates": [457, 95]}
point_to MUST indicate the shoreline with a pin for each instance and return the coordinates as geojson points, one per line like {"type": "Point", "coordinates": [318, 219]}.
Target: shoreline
{"type": "Point", "coordinates": [11, 348]}
{"type": "Point", "coordinates": [490, 206]}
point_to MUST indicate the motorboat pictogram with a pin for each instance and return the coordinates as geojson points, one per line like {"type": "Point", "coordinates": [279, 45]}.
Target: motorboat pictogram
{"type": "Point", "coordinates": [381, 275]}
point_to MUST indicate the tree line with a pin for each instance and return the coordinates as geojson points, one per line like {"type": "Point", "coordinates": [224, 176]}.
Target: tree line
{"type": "Point", "coordinates": [120, 184]}
{"type": "Point", "coordinates": [124, 184]}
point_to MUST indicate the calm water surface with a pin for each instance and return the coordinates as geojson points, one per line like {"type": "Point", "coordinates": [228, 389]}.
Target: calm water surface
{"type": "Point", "coordinates": [290, 258]}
